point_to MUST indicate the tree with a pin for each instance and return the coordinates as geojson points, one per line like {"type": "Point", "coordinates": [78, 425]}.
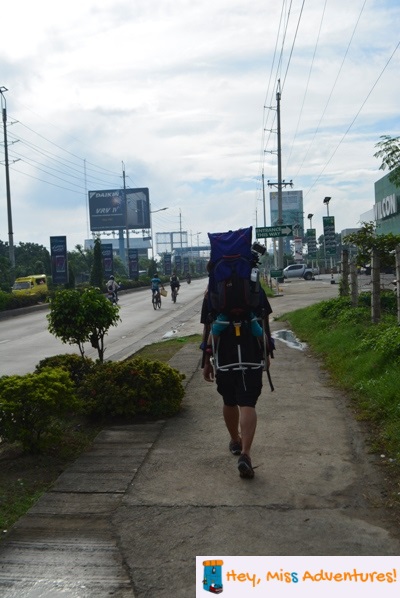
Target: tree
{"type": "Point", "coordinates": [96, 274]}
{"type": "Point", "coordinates": [77, 318]}
{"type": "Point", "coordinates": [81, 263]}
{"type": "Point", "coordinates": [366, 240]}
{"type": "Point", "coordinates": [152, 268]}
{"type": "Point", "coordinates": [389, 152]}
{"type": "Point", "coordinates": [29, 256]}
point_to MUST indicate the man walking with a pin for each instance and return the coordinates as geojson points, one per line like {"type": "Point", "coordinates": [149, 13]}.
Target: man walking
{"type": "Point", "coordinates": [239, 388]}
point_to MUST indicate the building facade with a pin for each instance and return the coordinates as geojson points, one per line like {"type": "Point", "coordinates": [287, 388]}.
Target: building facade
{"type": "Point", "coordinates": [387, 207]}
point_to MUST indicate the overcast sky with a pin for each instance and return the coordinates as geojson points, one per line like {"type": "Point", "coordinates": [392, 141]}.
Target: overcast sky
{"type": "Point", "coordinates": [183, 94]}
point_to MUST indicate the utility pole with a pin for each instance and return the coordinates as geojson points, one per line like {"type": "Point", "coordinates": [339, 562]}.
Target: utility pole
{"type": "Point", "coordinates": [264, 209]}
{"type": "Point", "coordinates": [8, 191]}
{"type": "Point", "coordinates": [180, 230]}
{"type": "Point", "coordinates": [126, 217]}
{"type": "Point", "coordinates": [279, 184]}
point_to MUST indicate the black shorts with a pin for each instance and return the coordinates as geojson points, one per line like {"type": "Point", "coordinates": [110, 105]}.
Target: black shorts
{"type": "Point", "coordinates": [240, 388]}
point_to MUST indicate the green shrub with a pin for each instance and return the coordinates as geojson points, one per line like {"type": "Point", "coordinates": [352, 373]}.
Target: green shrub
{"type": "Point", "coordinates": [332, 308]}
{"type": "Point", "coordinates": [11, 301]}
{"type": "Point", "coordinates": [385, 339]}
{"type": "Point", "coordinates": [4, 300]}
{"type": "Point", "coordinates": [388, 301]}
{"type": "Point", "coordinates": [31, 406]}
{"type": "Point", "coordinates": [78, 367]}
{"type": "Point", "coordinates": [133, 387]}
{"type": "Point", "coordinates": [353, 315]}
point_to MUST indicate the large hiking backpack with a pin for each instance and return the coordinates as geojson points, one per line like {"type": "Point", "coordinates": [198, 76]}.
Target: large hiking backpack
{"type": "Point", "coordinates": [234, 286]}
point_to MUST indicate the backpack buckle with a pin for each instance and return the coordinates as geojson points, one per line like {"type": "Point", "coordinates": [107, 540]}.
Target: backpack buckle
{"type": "Point", "coordinates": [237, 326]}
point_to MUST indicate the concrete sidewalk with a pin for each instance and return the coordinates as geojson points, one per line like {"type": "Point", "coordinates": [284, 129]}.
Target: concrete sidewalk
{"type": "Point", "coordinates": [130, 515]}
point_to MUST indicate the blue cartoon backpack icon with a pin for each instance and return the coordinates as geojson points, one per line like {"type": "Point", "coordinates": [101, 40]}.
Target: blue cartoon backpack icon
{"type": "Point", "coordinates": [212, 581]}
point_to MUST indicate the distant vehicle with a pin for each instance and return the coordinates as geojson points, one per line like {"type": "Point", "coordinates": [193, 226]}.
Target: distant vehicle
{"type": "Point", "coordinates": [30, 285]}
{"type": "Point", "coordinates": [300, 271]}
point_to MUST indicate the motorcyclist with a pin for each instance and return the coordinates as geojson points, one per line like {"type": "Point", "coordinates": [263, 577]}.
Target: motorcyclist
{"type": "Point", "coordinates": [112, 288]}
{"type": "Point", "coordinates": [188, 278]}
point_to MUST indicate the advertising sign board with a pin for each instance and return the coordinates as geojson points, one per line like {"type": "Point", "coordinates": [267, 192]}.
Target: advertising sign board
{"type": "Point", "coordinates": [329, 235]}
{"type": "Point", "coordinates": [185, 265]}
{"type": "Point", "coordinates": [178, 263]}
{"type": "Point", "coordinates": [292, 208]}
{"type": "Point", "coordinates": [133, 259]}
{"type": "Point", "coordinates": [108, 259]}
{"type": "Point", "coordinates": [59, 260]}
{"type": "Point", "coordinates": [167, 264]}
{"type": "Point", "coordinates": [115, 209]}
{"type": "Point", "coordinates": [311, 243]}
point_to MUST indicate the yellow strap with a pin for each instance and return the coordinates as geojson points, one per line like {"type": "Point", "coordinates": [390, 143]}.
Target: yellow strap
{"type": "Point", "coordinates": [237, 328]}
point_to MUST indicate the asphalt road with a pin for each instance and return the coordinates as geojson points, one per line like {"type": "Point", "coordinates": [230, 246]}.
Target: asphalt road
{"type": "Point", "coordinates": [25, 339]}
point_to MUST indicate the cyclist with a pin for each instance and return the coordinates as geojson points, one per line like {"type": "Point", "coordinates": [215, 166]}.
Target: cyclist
{"type": "Point", "coordinates": [155, 285]}
{"type": "Point", "coordinates": [174, 284]}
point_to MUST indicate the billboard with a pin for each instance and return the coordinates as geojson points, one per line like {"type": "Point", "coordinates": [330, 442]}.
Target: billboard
{"type": "Point", "coordinates": [292, 208]}
{"type": "Point", "coordinates": [167, 264]}
{"type": "Point", "coordinates": [133, 260]}
{"type": "Point", "coordinates": [108, 259]}
{"type": "Point", "coordinates": [169, 242]}
{"type": "Point", "coordinates": [116, 209]}
{"type": "Point", "coordinates": [59, 262]}
{"type": "Point", "coordinates": [178, 264]}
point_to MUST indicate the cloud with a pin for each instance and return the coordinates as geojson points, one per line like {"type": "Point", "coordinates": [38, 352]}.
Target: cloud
{"type": "Point", "coordinates": [176, 91]}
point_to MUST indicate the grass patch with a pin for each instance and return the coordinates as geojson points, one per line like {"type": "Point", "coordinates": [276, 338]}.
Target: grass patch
{"type": "Point", "coordinates": [165, 350]}
{"type": "Point", "coordinates": [24, 478]}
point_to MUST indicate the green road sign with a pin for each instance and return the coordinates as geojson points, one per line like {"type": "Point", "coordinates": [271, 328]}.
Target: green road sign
{"type": "Point", "coordinates": [276, 273]}
{"type": "Point", "coordinates": [281, 230]}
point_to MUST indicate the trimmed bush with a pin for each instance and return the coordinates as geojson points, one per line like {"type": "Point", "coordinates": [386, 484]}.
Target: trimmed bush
{"type": "Point", "coordinates": [31, 407]}
{"type": "Point", "coordinates": [78, 367]}
{"type": "Point", "coordinates": [134, 387]}
{"type": "Point", "coordinates": [11, 301]}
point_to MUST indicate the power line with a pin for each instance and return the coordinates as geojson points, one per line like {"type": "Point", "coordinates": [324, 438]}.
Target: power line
{"type": "Point", "coordinates": [355, 117]}
{"type": "Point", "coordinates": [333, 87]}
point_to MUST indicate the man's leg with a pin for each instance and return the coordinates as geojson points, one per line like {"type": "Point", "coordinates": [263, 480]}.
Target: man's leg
{"type": "Point", "coordinates": [248, 423]}
{"type": "Point", "coordinates": [231, 417]}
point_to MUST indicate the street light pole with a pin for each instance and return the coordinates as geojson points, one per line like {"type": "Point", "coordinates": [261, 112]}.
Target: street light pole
{"type": "Point", "coordinates": [8, 191]}
{"type": "Point", "coordinates": [326, 202]}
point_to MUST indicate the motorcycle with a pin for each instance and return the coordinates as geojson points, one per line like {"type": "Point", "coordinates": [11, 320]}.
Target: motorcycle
{"type": "Point", "coordinates": [113, 297]}
{"type": "Point", "coordinates": [188, 279]}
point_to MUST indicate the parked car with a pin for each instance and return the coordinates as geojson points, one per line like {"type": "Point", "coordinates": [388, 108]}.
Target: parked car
{"type": "Point", "coordinates": [300, 271]}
